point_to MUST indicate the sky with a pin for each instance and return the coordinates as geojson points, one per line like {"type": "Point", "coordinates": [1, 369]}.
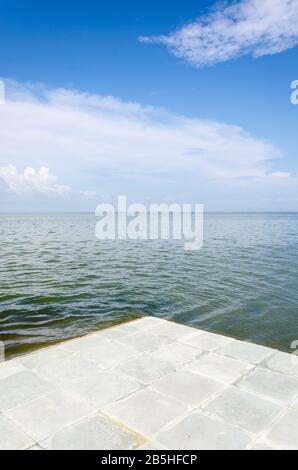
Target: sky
{"type": "Point", "coordinates": [168, 101]}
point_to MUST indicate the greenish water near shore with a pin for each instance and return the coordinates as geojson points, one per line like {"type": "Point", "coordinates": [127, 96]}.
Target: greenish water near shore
{"type": "Point", "coordinates": [58, 281]}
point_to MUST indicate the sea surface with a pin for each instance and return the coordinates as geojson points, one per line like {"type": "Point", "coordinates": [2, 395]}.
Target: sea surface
{"type": "Point", "coordinates": [58, 281]}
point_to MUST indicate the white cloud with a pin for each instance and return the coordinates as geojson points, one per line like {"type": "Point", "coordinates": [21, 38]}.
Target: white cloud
{"type": "Point", "coordinates": [77, 134]}
{"type": "Point", "coordinates": [247, 27]}
{"type": "Point", "coordinates": [31, 180]}
{"type": "Point", "coordinates": [97, 145]}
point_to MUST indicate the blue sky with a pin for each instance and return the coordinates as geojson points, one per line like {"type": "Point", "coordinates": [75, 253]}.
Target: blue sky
{"type": "Point", "coordinates": [93, 49]}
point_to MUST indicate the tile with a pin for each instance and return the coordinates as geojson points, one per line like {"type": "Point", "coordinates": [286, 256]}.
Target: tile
{"type": "Point", "coordinates": [200, 432]}
{"type": "Point", "coordinates": [284, 433]}
{"type": "Point", "coordinates": [206, 341]}
{"type": "Point", "coordinates": [146, 323]}
{"type": "Point", "coordinates": [8, 368]}
{"type": "Point", "coordinates": [244, 351]}
{"type": "Point", "coordinates": [221, 368]}
{"type": "Point", "coordinates": [145, 368]}
{"type": "Point", "coordinates": [177, 353]}
{"type": "Point", "coordinates": [103, 388]}
{"type": "Point", "coordinates": [146, 411]}
{"type": "Point", "coordinates": [68, 369]}
{"type": "Point", "coordinates": [21, 388]}
{"type": "Point", "coordinates": [270, 384]}
{"type": "Point", "coordinates": [187, 387]}
{"type": "Point", "coordinates": [94, 433]}
{"type": "Point", "coordinates": [170, 330]}
{"type": "Point", "coordinates": [44, 416]}
{"type": "Point", "coordinates": [143, 341]}
{"type": "Point", "coordinates": [36, 447]}
{"type": "Point", "coordinates": [284, 363]}
{"type": "Point", "coordinates": [118, 331]}
{"type": "Point", "coordinates": [107, 354]}
{"type": "Point", "coordinates": [85, 343]}
{"type": "Point", "coordinates": [40, 358]}
{"type": "Point", "coordinates": [12, 437]}
{"type": "Point", "coordinates": [243, 409]}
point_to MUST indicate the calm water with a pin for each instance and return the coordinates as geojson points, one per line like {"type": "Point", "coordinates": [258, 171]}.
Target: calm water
{"type": "Point", "coordinates": [58, 281]}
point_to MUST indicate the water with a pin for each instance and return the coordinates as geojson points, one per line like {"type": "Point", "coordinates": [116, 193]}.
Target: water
{"type": "Point", "coordinates": [58, 281]}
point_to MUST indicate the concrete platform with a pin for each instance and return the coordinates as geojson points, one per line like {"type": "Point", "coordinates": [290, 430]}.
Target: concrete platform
{"type": "Point", "coordinates": [150, 384]}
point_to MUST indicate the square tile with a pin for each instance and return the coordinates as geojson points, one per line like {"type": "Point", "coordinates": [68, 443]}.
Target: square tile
{"type": "Point", "coordinates": [147, 322]}
{"type": "Point", "coordinates": [145, 368]}
{"type": "Point", "coordinates": [85, 343]}
{"type": "Point", "coordinates": [143, 341]}
{"type": "Point", "coordinates": [206, 341]}
{"type": "Point", "coordinates": [107, 354]}
{"type": "Point", "coordinates": [67, 369]}
{"type": "Point", "coordinates": [284, 433]}
{"type": "Point", "coordinates": [40, 358]}
{"type": "Point", "coordinates": [200, 432]}
{"type": "Point", "coordinates": [21, 388]}
{"type": "Point", "coordinates": [8, 368]}
{"type": "Point", "coordinates": [221, 368]}
{"type": "Point", "coordinates": [118, 331]}
{"type": "Point", "coordinates": [103, 388]}
{"type": "Point", "coordinates": [12, 437]}
{"type": "Point", "coordinates": [284, 363]}
{"type": "Point", "coordinates": [146, 411]}
{"type": "Point", "coordinates": [244, 351]}
{"type": "Point", "coordinates": [45, 416]}
{"type": "Point", "coordinates": [177, 353]}
{"type": "Point", "coordinates": [95, 433]}
{"type": "Point", "coordinates": [170, 330]}
{"type": "Point", "coordinates": [243, 409]}
{"type": "Point", "coordinates": [187, 387]}
{"type": "Point", "coordinates": [270, 384]}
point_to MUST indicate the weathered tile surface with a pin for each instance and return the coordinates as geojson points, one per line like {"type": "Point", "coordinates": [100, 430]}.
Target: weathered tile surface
{"type": "Point", "coordinates": [150, 384]}
{"type": "Point", "coordinates": [284, 433]}
{"type": "Point", "coordinates": [147, 411]}
{"type": "Point", "coordinates": [243, 409]}
{"type": "Point", "coordinates": [248, 352]}
{"type": "Point", "coordinates": [21, 388]}
{"type": "Point", "coordinates": [177, 353]}
{"type": "Point", "coordinates": [103, 388]}
{"type": "Point", "coordinates": [206, 341]}
{"type": "Point", "coordinates": [95, 433]}
{"type": "Point", "coordinates": [145, 368]}
{"type": "Point", "coordinates": [10, 368]}
{"type": "Point", "coordinates": [187, 387]}
{"type": "Point", "coordinates": [44, 416]}
{"type": "Point", "coordinates": [219, 367]}
{"type": "Point", "coordinates": [201, 432]}
{"type": "Point", "coordinates": [143, 341]}
{"type": "Point", "coordinates": [12, 437]}
{"type": "Point", "coordinates": [284, 363]}
{"type": "Point", "coordinates": [272, 385]}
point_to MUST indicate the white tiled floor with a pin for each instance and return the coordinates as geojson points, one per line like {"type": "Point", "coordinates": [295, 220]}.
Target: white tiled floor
{"type": "Point", "coordinates": [150, 384]}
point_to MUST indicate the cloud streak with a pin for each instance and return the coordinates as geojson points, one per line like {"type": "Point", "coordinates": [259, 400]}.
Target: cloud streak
{"type": "Point", "coordinates": [248, 27]}
{"type": "Point", "coordinates": [82, 137]}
